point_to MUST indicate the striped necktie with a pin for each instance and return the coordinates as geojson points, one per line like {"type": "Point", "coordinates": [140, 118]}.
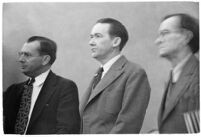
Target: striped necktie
{"type": "Point", "coordinates": [98, 77]}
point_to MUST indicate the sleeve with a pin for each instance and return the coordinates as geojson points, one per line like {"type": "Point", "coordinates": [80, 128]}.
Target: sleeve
{"type": "Point", "coordinates": [68, 117]}
{"type": "Point", "coordinates": [10, 108]}
{"type": "Point", "coordinates": [134, 105]}
{"type": "Point", "coordinates": [5, 110]}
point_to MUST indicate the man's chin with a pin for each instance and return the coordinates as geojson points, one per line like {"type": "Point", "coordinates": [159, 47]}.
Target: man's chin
{"type": "Point", "coordinates": [25, 72]}
{"type": "Point", "coordinates": [93, 55]}
{"type": "Point", "coordinates": [163, 55]}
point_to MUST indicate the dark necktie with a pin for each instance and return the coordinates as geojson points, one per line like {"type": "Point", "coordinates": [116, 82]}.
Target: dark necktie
{"type": "Point", "coordinates": [169, 88]}
{"type": "Point", "coordinates": [23, 113]}
{"type": "Point", "coordinates": [171, 85]}
{"type": "Point", "coordinates": [97, 77]}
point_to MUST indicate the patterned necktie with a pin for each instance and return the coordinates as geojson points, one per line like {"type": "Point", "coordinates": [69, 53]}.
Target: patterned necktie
{"type": "Point", "coordinates": [23, 113]}
{"type": "Point", "coordinates": [97, 77]}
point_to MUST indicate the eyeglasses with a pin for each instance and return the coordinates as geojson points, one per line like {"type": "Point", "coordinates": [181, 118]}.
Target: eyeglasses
{"type": "Point", "coordinates": [165, 33]}
{"type": "Point", "coordinates": [26, 55]}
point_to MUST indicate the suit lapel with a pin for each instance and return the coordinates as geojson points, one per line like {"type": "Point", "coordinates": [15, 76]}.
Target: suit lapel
{"type": "Point", "coordinates": [85, 97]}
{"type": "Point", "coordinates": [181, 85]}
{"type": "Point", "coordinates": [113, 73]}
{"type": "Point", "coordinates": [161, 110]}
{"type": "Point", "coordinates": [44, 95]}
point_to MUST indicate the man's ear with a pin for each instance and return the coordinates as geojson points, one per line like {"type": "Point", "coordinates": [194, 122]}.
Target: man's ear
{"type": "Point", "coordinates": [116, 41]}
{"type": "Point", "coordinates": [189, 35]}
{"type": "Point", "coordinates": [46, 59]}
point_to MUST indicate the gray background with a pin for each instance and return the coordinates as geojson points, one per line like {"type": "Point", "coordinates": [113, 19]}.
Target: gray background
{"type": "Point", "coordinates": [69, 24]}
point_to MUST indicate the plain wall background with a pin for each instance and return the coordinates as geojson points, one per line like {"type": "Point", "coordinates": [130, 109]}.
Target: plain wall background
{"type": "Point", "coordinates": [69, 25]}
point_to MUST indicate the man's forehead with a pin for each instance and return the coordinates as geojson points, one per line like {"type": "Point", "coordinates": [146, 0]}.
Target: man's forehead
{"type": "Point", "coordinates": [171, 23]}
{"type": "Point", "coordinates": [31, 46]}
{"type": "Point", "coordinates": [100, 28]}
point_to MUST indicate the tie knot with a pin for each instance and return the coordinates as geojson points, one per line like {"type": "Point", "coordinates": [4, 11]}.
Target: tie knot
{"type": "Point", "coordinates": [97, 77]}
{"type": "Point", "coordinates": [100, 70]}
{"type": "Point", "coordinates": [171, 76]}
{"type": "Point", "coordinates": [31, 81]}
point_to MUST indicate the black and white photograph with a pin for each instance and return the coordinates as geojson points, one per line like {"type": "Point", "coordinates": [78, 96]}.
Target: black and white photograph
{"type": "Point", "coordinates": [111, 67]}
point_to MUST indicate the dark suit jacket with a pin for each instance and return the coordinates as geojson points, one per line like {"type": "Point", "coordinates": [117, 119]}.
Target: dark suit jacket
{"type": "Point", "coordinates": [56, 109]}
{"type": "Point", "coordinates": [185, 98]}
{"type": "Point", "coordinates": [119, 101]}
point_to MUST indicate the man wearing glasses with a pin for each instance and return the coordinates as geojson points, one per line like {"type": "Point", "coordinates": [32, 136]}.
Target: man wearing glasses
{"type": "Point", "coordinates": [177, 42]}
{"type": "Point", "coordinates": [46, 103]}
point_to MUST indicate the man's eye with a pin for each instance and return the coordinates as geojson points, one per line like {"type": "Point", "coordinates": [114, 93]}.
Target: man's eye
{"type": "Point", "coordinates": [20, 53]}
{"type": "Point", "coordinates": [27, 54]}
{"type": "Point", "coordinates": [164, 33]}
{"type": "Point", "coordinates": [98, 36]}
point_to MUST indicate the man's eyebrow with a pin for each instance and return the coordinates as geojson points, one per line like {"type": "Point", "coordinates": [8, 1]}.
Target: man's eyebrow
{"type": "Point", "coordinates": [95, 34]}
{"type": "Point", "coordinates": [22, 52]}
{"type": "Point", "coordinates": [164, 30]}
{"type": "Point", "coordinates": [98, 34]}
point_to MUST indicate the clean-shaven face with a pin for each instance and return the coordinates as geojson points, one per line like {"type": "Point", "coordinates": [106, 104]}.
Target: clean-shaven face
{"type": "Point", "coordinates": [100, 41]}
{"type": "Point", "coordinates": [30, 59]}
{"type": "Point", "coordinates": [171, 38]}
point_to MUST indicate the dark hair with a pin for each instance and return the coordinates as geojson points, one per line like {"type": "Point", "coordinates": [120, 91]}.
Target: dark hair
{"type": "Point", "coordinates": [116, 29]}
{"type": "Point", "coordinates": [47, 46]}
{"type": "Point", "coordinates": [190, 23]}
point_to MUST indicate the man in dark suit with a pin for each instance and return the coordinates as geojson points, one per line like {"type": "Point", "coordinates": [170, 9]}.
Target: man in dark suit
{"type": "Point", "coordinates": [52, 106]}
{"type": "Point", "coordinates": [118, 103]}
{"type": "Point", "coordinates": [178, 41]}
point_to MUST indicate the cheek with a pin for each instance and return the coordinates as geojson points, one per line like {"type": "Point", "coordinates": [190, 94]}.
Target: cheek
{"type": "Point", "coordinates": [100, 46]}
{"type": "Point", "coordinates": [170, 42]}
{"type": "Point", "coordinates": [176, 39]}
{"type": "Point", "coordinates": [35, 63]}
{"type": "Point", "coordinates": [105, 45]}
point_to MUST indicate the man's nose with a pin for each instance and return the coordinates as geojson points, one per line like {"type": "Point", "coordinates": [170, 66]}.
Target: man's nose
{"type": "Point", "coordinates": [91, 42]}
{"type": "Point", "coordinates": [158, 41]}
{"type": "Point", "coordinates": [21, 59]}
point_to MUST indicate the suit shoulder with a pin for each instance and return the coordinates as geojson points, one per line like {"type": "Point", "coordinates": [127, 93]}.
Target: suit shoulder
{"type": "Point", "coordinates": [65, 81]}
{"type": "Point", "coordinates": [13, 90]}
{"type": "Point", "coordinates": [15, 85]}
{"type": "Point", "coordinates": [66, 86]}
{"type": "Point", "coordinates": [134, 67]}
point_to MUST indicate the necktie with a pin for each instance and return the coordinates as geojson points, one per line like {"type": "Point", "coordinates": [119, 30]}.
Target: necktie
{"type": "Point", "coordinates": [97, 77]}
{"type": "Point", "coordinates": [23, 113]}
{"type": "Point", "coordinates": [169, 88]}
{"type": "Point", "coordinates": [171, 85]}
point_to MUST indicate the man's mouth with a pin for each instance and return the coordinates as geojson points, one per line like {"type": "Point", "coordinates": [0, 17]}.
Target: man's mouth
{"type": "Point", "coordinates": [160, 47]}
{"type": "Point", "coordinates": [93, 49]}
{"type": "Point", "coordinates": [23, 67]}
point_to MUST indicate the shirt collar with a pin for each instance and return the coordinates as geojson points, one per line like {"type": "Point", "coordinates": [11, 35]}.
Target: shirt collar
{"type": "Point", "coordinates": [176, 71]}
{"type": "Point", "coordinates": [107, 65]}
{"type": "Point", "coordinates": [41, 78]}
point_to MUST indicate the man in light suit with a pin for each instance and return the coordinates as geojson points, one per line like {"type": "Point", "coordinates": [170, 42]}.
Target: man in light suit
{"type": "Point", "coordinates": [118, 103]}
{"type": "Point", "coordinates": [54, 105]}
{"type": "Point", "coordinates": [177, 42]}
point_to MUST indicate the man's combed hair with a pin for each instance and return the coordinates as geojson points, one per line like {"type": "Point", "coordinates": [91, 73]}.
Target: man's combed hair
{"type": "Point", "coordinates": [116, 29]}
{"type": "Point", "coordinates": [192, 24]}
{"type": "Point", "coordinates": [47, 47]}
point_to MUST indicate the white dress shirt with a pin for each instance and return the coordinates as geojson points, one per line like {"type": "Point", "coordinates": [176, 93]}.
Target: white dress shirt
{"type": "Point", "coordinates": [107, 65]}
{"type": "Point", "coordinates": [176, 71]}
{"type": "Point", "coordinates": [37, 85]}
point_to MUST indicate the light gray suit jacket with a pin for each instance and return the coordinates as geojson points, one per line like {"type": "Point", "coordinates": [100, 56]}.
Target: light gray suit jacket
{"type": "Point", "coordinates": [118, 103]}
